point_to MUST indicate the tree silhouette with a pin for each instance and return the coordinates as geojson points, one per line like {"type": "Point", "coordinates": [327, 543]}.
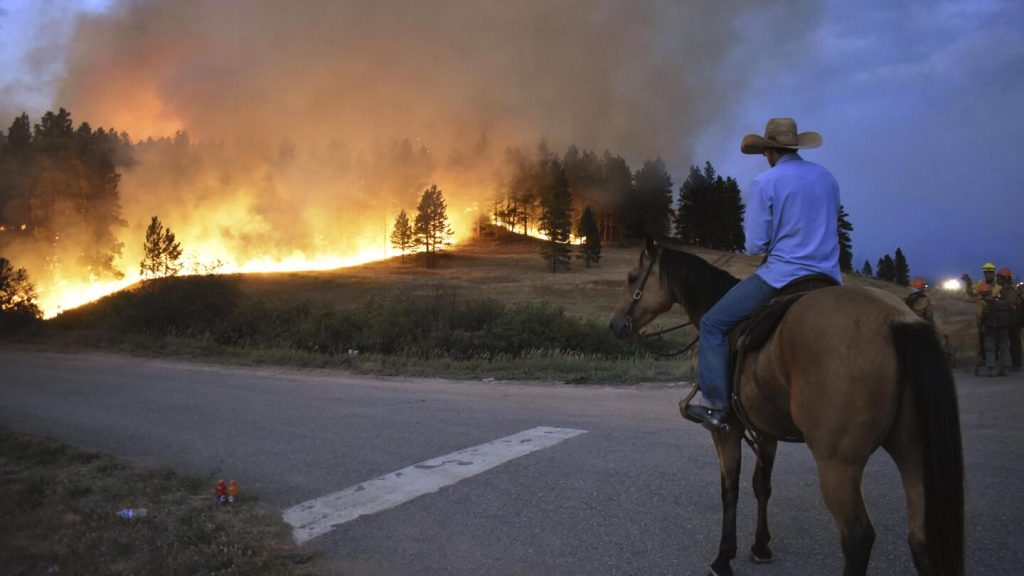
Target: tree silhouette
{"type": "Point", "coordinates": [650, 205]}
{"type": "Point", "coordinates": [161, 252]}
{"type": "Point", "coordinates": [710, 211]}
{"type": "Point", "coordinates": [402, 236]}
{"type": "Point", "coordinates": [866, 270]}
{"type": "Point", "coordinates": [17, 296]}
{"type": "Point", "coordinates": [590, 249]}
{"type": "Point", "coordinates": [616, 189]}
{"type": "Point", "coordinates": [431, 226]}
{"type": "Point", "coordinates": [886, 269]}
{"type": "Point", "coordinates": [901, 270]}
{"type": "Point", "coordinates": [845, 242]}
{"type": "Point", "coordinates": [60, 189]}
{"type": "Point", "coordinates": [556, 217]}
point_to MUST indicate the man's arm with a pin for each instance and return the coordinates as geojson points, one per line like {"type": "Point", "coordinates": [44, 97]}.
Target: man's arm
{"type": "Point", "coordinates": [758, 220]}
{"type": "Point", "coordinates": [968, 284]}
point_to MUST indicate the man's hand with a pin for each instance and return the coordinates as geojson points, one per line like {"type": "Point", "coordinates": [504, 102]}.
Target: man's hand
{"type": "Point", "coordinates": [966, 278]}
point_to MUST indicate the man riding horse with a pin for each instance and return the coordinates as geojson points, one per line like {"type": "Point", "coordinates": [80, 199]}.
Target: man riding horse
{"type": "Point", "coordinates": [792, 218]}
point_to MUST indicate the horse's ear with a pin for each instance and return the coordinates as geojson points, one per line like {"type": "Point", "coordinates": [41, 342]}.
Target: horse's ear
{"type": "Point", "coordinates": [649, 246]}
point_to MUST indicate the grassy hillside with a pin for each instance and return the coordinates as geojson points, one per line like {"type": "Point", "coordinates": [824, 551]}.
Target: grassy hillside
{"type": "Point", "coordinates": [489, 309]}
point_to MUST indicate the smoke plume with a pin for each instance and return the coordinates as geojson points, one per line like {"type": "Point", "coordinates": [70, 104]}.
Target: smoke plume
{"type": "Point", "coordinates": [310, 124]}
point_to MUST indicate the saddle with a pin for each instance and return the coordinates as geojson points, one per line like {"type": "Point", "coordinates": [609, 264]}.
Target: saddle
{"type": "Point", "coordinates": [752, 333]}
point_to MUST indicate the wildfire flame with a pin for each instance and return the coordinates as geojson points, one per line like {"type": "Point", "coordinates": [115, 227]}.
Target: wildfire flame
{"type": "Point", "coordinates": [67, 291]}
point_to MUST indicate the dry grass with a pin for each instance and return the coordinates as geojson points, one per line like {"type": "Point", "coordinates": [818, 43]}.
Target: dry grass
{"type": "Point", "coordinates": [58, 515]}
{"type": "Point", "coordinates": [513, 273]}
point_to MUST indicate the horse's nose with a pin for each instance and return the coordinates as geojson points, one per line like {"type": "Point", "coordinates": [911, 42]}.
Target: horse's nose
{"type": "Point", "coordinates": [619, 326]}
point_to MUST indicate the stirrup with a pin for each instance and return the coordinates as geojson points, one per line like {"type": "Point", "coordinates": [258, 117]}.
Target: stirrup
{"type": "Point", "coordinates": [702, 416]}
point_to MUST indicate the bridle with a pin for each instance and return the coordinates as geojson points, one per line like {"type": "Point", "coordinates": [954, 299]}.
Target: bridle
{"type": "Point", "coordinates": [637, 295]}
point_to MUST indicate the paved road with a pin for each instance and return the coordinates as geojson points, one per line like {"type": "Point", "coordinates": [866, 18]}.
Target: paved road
{"type": "Point", "coordinates": [636, 495]}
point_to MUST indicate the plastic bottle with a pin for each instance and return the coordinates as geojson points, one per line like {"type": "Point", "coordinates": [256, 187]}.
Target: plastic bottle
{"type": "Point", "coordinates": [222, 497]}
{"type": "Point", "coordinates": [129, 513]}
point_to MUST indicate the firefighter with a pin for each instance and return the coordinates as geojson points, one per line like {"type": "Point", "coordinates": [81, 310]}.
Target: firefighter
{"type": "Point", "coordinates": [918, 300]}
{"type": "Point", "coordinates": [1005, 281]}
{"type": "Point", "coordinates": [988, 273]}
{"type": "Point", "coordinates": [994, 318]}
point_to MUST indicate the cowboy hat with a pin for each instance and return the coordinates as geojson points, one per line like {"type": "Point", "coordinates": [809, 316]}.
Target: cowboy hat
{"type": "Point", "coordinates": [779, 133]}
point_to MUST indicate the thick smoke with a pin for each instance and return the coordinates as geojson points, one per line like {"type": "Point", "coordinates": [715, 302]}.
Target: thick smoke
{"type": "Point", "coordinates": [639, 77]}
{"type": "Point", "coordinates": [312, 123]}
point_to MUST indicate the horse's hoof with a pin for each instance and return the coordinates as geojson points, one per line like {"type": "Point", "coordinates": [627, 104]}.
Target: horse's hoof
{"type": "Point", "coordinates": [761, 557]}
{"type": "Point", "coordinates": [722, 570]}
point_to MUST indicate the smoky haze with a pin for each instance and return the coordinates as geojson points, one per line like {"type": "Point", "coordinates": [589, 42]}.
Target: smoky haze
{"type": "Point", "coordinates": [634, 77]}
{"type": "Point", "coordinates": [310, 124]}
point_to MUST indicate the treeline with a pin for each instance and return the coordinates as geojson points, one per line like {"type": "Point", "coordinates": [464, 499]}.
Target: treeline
{"type": "Point", "coordinates": [59, 192]}
{"type": "Point", "coordinates": [889, 268]}
{"type": "Point", "coordinates": [601, 199]}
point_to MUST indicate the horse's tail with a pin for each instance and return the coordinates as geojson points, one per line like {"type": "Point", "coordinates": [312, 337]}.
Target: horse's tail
{"type": "Point", "coordinates": [935, 402]}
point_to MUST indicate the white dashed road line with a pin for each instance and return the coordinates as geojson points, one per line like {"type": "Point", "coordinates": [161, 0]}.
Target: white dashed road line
{"type": "Point", "coordinates": [319, 516]}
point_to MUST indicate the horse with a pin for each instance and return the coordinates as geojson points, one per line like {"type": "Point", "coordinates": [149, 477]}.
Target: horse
{"type": "Point", "coordinates": [847, 370]}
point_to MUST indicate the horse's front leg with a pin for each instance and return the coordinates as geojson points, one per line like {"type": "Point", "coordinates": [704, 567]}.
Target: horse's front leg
{"type": "Point", "coordinates": [761, 552]}
{"type": "Point", "coordinates": [729, 448]}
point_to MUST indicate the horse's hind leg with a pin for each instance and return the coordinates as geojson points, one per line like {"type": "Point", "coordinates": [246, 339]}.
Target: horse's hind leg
{"type": "Point", "coordinates": [904, 447]}
{"type": "Point", "coordinates": [761, 552]}
{"type": "Point", "coordinates": [841, 488]}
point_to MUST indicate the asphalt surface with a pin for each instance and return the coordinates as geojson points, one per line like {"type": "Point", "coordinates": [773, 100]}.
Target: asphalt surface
{"type": "Point", "coordinates": [637, 494]}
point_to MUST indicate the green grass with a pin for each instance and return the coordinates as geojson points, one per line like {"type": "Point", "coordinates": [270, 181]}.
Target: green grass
{"type": "Point", "coordinates": [59, 515]}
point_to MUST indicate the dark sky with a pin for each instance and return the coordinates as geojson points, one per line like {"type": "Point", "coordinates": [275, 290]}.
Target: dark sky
{"type": "Point", "coordinates": [919, 103]}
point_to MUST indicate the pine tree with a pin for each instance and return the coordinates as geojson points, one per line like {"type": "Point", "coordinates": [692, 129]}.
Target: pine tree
{"type": "Point", "coordinates": [866, 270]}
{"type": "Point", "coordinates": [161, 252]}
{"type": "Point", "coordinates": [733, 210]}
{"type": "Point", "coordinates": [710, 211]}
{"type": "Point", "coordinates": [901, 270]}
{"type": "Point", "coordinates": [616, 190]}
{"type": "Point", "coordinates": [845, 242]}
{"type": "Point", "coordinates": [886, 269]}
{"type": "Point", "coordinates": [19, 135]}
{"type": "Point", "coordinates": [17, 296]}
{"type": "Point", "coordinates": [402, 236]}
{"type": "Point", "coordinates": [556, 217]}
{"type": "Point", "coordinates": [650, 208]}
{"type": "Point", "coordinates": [431, 227]}
{"type": "Point", "coordinates": [590, 249]}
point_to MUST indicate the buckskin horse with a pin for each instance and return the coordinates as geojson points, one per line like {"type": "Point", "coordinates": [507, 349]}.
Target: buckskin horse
{"type": "Point", "coordinates": [847, 370]}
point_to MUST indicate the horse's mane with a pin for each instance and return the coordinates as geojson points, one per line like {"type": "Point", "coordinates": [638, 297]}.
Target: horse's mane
{"type": "Point", "coordinates": [696, 283]}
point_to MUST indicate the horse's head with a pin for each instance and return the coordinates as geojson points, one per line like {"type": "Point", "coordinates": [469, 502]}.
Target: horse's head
{"type": "Point", "coordinates": [645, 297]}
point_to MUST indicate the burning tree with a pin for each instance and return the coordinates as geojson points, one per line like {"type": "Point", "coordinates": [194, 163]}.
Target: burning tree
{"type": "Point", "coordinates": [431, 228]}
{"type": "Point", "coordinates": [402, 235]}
{"type": "Point", "coordinates": [17, 296]}
{"type": "Point", "coordinates": [162, 252]}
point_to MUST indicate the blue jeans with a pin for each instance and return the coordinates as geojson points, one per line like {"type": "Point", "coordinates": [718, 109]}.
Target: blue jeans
{"type": "Point", "coordinates": [738, 303]}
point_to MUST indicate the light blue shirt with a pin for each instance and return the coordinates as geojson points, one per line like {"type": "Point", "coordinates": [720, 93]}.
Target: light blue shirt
{"type": "Point", "coordinates": [793, 217]}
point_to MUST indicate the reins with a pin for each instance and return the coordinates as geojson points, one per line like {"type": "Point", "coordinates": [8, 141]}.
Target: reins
{"type": "Point", "coordinates": [646, 337]}
{"type": "Point", "coordinates": [637, 295]}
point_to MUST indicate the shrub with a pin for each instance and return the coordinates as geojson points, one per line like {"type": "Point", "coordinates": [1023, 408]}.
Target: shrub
{"type": "Point", "coordinates": [438, 324]}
